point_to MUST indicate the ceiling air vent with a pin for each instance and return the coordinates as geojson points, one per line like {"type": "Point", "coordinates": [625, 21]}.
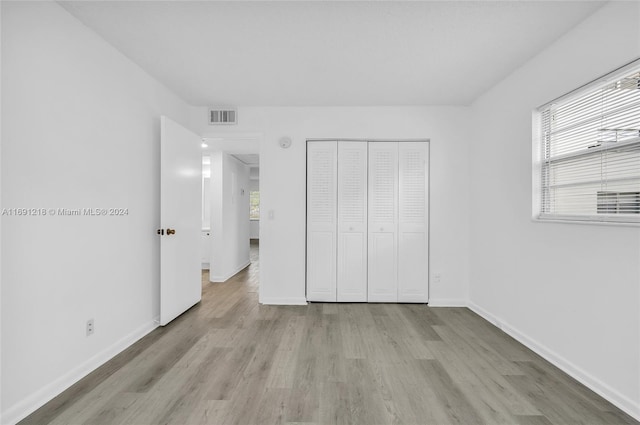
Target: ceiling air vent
{"type": "Point", "coordinates": [223, 116]}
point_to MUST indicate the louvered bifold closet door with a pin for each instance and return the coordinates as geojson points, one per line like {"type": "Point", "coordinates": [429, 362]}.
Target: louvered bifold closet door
{"type": "Point", "coordinates": [413, 234]}
{"type": "Point", "coordinates": [352, 221]}
{"type": "Point", "coordinates": [321, 220]}
{"type": "Point", "coordinates": [383, 222]}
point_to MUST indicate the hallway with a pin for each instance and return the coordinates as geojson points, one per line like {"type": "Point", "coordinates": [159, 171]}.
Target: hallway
{"type": "Point", "coordinates": [230, 360]}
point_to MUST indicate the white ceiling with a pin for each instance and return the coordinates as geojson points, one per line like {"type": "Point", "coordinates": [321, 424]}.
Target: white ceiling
{"type": "Point", "coordinates": [271, 53]}
{"type": "Point", "coordinates": [250, 159]}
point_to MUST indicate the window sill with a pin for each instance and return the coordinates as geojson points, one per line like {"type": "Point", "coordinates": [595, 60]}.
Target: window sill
{"type": "Point", "coordinates": [586, 221]}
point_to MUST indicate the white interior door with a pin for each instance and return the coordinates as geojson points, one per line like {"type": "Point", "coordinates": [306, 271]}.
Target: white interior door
{"type": "Point", "coordinates": [321, 220]}
{"type": "Point", "coordinates": [383, 222]}
{"type": "Point", "coordinates": [180, 220]}
{"type": "Point", "coordinates": [352, 222]}
{"type": "Point", "coordinates": [413, 234]}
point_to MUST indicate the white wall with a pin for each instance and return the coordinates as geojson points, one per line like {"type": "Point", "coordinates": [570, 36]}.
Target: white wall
{"type": "Point", "coordinates": [81, 129]}
{"type": "Point", "coordinates": [206, 244]}
{"type": "Point", "coordinates": [1, 206]}
{"type": "Point", "coordinates": [254, 184]}
{"type": "Point", "coordinates": [254, 229]}
{"type": "Point", "coordinates": [229, 216]}
{"type": "Point", "coordinates": [282, 185]}
{"type": "Point", "coordinates": [254, 225]}
{"type": "Point", "coordinates": [572, 291]}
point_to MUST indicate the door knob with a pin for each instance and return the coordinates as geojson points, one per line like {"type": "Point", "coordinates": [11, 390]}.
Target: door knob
{"type": "Point", "coordinates": [171, 231]}
{"type": "Point", "coordinates": [160, 231]}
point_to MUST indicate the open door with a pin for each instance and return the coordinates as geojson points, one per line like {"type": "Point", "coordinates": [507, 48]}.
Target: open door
{"type": "Point", "coordinates": [180, 220]}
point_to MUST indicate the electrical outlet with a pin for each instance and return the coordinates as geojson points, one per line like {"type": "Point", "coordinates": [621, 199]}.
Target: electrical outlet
{"type": "Point", "coordinates": [90, 327]}
{"type": "Point", "coordinates": [437, 278]}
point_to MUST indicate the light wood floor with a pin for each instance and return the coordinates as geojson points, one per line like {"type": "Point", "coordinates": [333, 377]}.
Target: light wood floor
{"type": "Point", "coordinates": [230, 360]}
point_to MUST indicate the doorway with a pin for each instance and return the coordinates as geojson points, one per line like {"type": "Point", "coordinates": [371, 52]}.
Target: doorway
{"type": "Point", "coordinates": [230, 208]}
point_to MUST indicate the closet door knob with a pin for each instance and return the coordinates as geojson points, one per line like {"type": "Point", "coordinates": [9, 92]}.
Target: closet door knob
{"type": "Point", "coordinates": [171, 231]}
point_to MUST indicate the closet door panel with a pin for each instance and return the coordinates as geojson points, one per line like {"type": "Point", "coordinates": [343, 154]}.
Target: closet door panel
{"type": "Point", "coordinates": [412, 268]}
{"type": "Point", "coordinates": [321, 279]}
{"type": "Point", "coordinates": [413, 232]}
{"type": "Point", "coordinates": [383, 225]}
{"type": "Point", "coordinates": [382, 267]}
{"type": "Point", "coordinates": [352, 267]}
{"type": "Point", "coordinates": [352, 221]}
{"type": "Point", "coordinates": [321, 220]}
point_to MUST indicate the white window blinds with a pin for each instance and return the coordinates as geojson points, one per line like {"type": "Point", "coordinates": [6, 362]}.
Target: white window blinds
{"type": "Point", "coordinates": [590, 159]}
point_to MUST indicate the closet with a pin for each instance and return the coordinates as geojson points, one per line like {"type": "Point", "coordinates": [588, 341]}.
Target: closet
{"type": "Point", "coordinates": [367, 221]}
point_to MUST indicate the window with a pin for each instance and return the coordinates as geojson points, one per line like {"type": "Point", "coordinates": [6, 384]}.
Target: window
{"type": "Point", "coordinates": [590, 152]}
{"type": "Point", "coordinates": [618, 202]}
{"type": "Point", "coordinates": [254, 205]}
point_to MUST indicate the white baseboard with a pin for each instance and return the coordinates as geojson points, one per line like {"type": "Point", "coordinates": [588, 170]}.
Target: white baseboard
{"type": "Point", "coordinates": [446, 302]}
{"type": "Point", "coordinates": [624, 403]}
{"type": "Point", "coordinates": [205, 266]}
{"type": "Point", "coordinates": [284, 301]}
{"type": "Point", "coordinates": [224, 278]}
{"type": "Point", "coordinates": [30, 404]}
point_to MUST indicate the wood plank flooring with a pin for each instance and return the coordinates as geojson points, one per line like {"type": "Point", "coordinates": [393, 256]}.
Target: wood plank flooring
{"type": "Point", "coordinates": [230, 360]}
